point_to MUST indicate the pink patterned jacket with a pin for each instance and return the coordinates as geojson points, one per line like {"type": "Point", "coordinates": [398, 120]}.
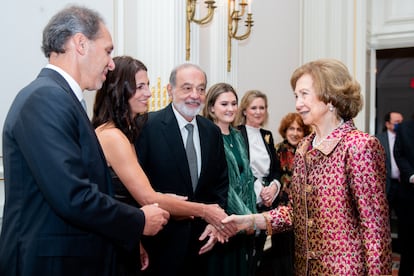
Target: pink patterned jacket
{"type": "Point", "coordinates": [338, 206]}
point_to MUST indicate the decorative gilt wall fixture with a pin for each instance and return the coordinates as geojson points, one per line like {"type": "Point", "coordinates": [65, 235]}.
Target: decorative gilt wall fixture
{"type": "Point", "coordinates": [159, 97]}
{"type": "Point", "coordinates": [191, 9]}
{"type": "Point", "coordinates": [236, 11]}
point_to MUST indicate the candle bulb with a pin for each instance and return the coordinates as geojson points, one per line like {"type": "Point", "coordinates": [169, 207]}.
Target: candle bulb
{"type": "Point", "coordinates": [249, 5]}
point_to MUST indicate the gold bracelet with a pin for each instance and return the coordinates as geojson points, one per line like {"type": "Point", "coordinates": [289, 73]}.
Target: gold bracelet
{"type": "Point", "coordinates": [252, 229]}
{"type": "Point", "coordinates": [269, 229]}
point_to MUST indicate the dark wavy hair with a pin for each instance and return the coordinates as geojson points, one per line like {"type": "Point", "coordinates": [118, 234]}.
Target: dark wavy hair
{"type": "Point", "coordinates": [289, 119]}
{"type": "Point", "coordinates": [333, 84]}
{"type": "Point", "coordinates": [111, 101]}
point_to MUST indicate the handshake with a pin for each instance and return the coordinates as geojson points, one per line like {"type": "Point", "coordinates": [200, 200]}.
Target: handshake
{"type": "Point", "coordinates": [220, 227]}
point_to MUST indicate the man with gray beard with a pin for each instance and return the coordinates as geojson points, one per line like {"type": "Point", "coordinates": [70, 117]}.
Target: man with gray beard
{"type": "Point", "coordinates": [163, 150]}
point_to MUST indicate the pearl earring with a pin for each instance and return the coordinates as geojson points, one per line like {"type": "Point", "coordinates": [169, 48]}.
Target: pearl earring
{"type": "Point", "coordinates": [331, 108]}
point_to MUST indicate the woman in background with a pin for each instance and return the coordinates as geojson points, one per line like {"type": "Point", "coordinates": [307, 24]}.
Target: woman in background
{"type": "Point", "coordinates": [251, 117]}
{"type": "Point", "coordinates": [236, 256]}
{"type": "Point", "coordinates": [338, 203]}
{"type": "Point", "coordinates": [292, 130]}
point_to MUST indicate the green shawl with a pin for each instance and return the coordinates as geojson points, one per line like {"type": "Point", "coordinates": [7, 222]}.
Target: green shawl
{"type": "Point", "coordinates": [241, 196]}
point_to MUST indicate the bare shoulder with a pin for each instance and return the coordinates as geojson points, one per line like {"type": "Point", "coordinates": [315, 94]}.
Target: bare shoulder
{"type": "Point", "coordinates": [108, 132]}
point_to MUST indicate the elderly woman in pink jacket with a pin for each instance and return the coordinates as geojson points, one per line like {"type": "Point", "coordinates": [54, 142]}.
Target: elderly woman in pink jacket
{"type": "Point", "coordinates": [338, 206]}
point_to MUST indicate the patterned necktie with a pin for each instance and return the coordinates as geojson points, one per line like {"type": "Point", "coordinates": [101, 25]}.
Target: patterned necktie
{"type": "Point", "coordinates": [191, 155]}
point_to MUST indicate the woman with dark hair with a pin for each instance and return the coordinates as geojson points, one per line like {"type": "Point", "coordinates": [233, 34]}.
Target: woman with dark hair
{"type": "Point", "coordinates": [337, 205]}
{"type": "Point", "coordinates": [292, 129]}
{"type": "Point", "coordinates": [119, 111]}
{"type": "Point", "coordinates": [236, 256]}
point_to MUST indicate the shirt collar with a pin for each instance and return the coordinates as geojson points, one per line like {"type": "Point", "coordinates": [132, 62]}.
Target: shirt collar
{"type": "Point", "coordinates": [72, 83]}
{"type": "Point", "coordinates": [182, 122]}
{"type": "Point", "coordinates": [327, 146]}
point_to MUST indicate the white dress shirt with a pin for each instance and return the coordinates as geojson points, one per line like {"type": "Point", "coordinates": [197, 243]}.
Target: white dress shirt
{"type": "Point", "coordinates": [182, 122]}
{"type": "Point", "coordinates": [395, 172]}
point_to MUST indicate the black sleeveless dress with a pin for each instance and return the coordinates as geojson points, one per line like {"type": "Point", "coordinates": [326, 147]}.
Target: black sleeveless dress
{"type": "Point", "coordinates": [129, 263]}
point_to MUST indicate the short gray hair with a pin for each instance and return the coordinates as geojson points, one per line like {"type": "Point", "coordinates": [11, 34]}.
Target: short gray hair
{"type": "Point", "coordinates": [173, 75]}
{"type": "Point", "coordinates": [65, 24]}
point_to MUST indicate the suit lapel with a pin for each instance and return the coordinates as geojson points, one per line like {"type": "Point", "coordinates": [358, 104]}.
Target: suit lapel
{"type": "Point", "coordinates": [205, 146]}
{"type": "Point", "coordinates": [263, 133]}
{"type": "Point", "coordinates": [172, 136]}
{"type": "Point", "coordinates": [55, 76]}
{"type": "Point", "coordinates": [46, 72]}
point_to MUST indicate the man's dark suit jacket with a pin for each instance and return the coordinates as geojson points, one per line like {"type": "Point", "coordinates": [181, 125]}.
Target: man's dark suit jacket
{"type": "Point", "coordinates": [383, 138]}
{"type": "Point", "coordinates": [59, 217]}
{"type": "Point", "coordinates": [404, 157]}
{"type": "Point", "coordinates": [162, 155]}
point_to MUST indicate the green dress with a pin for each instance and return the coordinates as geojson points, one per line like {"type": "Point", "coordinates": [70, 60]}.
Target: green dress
{"type": "Point", "coordinates": [235, 257]}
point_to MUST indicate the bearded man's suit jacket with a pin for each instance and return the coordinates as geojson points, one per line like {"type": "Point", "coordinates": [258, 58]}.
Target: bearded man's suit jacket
{"type": "Point", "coordinates": [161, 152]}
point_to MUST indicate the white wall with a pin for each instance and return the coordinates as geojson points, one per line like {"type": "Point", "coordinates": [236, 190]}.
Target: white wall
{"type": "Point", "coordinates": [269, 56]}
{"type": "Point", "coordinates": [22, 25]}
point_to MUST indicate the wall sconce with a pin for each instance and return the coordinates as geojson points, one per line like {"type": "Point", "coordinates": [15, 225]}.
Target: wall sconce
{"type": "Point", "coordinates": [191, 8]}
{"type": "Point", "coordinates": [234, 16]}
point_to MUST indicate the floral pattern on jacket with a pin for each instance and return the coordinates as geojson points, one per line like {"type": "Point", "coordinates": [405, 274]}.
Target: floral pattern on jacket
{"type": "Point", "coordinates": [340, 209]}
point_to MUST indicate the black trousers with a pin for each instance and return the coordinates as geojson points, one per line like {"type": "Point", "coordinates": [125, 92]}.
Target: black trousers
{"type": "Point", "coordinates": [406, 244]}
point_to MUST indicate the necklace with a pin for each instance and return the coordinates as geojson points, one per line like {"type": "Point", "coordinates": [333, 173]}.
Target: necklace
{"type": "Point", "coordinates": [317, 144]}
{"type": "Point", "coordinates": [228, 139]}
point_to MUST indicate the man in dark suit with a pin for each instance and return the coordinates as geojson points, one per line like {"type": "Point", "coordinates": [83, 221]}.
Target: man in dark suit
{"type": "Point", "coordinates": [404, 156]}
{"type": "Point", "coordinates": [161, 150]}
{"type": "Point", "coordinates": [59, 216]}
{"type": "Point", "coordinates": [387, 139]}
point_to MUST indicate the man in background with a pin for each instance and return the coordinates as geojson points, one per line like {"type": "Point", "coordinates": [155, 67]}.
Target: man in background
{"type": "Point", "coordinates": [59, 215]}
{"type": "Point", "coordinates": [404, 156]}
{"type": "Point", "coordinates": [163, 151]}
{"type": "Point", "coordinates": [387, 139]}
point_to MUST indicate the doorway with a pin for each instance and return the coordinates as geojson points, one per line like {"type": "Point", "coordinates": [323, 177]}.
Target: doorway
{"type": "Point", "coordinates": [394, 84]}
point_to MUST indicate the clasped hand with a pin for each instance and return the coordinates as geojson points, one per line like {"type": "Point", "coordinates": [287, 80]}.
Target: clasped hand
{"type": "Point", "coordinates": [214, 214]}
{"type": "Point", "coordinates": [155, 219]}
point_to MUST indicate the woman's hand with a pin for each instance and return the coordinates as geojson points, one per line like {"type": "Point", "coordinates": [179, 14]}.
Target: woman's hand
{"type": "Point", "coordinates": [269, 193]}
{"type": "Point", "coordinates": [242, 222]}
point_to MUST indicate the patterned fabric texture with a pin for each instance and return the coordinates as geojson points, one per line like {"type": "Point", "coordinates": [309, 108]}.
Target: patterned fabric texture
{"type": "Point", "coordinates": [286, 154]}
{"type": "Point", "coordinates": [338, 199]}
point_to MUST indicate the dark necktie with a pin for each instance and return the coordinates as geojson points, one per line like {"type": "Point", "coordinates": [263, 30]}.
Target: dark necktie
{"type": "Point", "coordinates": [83, 103]}
{"type": "Point", "coordinates": [191, 155]}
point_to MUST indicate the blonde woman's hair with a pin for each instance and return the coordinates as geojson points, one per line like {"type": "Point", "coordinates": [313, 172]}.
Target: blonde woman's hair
{"type": "Point", "coordinates": [247, 99]}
